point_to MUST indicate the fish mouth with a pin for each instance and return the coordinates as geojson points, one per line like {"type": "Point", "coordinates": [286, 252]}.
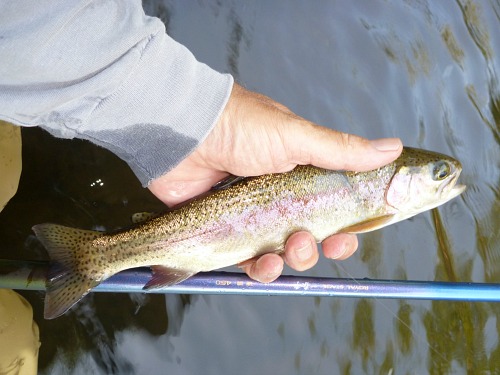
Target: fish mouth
{"type": "Point", "coordinates": [454, 188]}
{"type": "Point", "coordinates": [456, 191]}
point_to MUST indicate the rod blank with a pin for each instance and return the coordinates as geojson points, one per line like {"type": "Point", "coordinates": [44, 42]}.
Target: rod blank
{"type": "Point", "coordinates": [28, 275]}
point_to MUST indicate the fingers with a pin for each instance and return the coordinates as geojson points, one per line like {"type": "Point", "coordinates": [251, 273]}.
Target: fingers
{"type": "Point", "coordinates": [265, 269]}
{"type": "Point", "coordinates": [294, 140]}
{"type": "Point", "coordinates": [301, 253]}
{"type": "Point", "coordinates": [340, 246]}
{"type": "Point", "coordinates": [256, 135]}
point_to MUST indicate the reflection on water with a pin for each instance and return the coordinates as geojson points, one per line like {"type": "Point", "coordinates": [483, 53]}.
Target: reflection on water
{"type": "Point", "coordinates": [405, 337]}
{"type": "Point", "coordinates": [444, 249]}
{"type": "Point", "coordinates": [451, 43]}
{"type": "Point", "coordinates": [451, 323]}
{"type": "Point", "coordinates": [471, 12]}
{"type": "Point", "coordinates": [422, 71]}
{"type": "Point", "coordinates": [364, 332]}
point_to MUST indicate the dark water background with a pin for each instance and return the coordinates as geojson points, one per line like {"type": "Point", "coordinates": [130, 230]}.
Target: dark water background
{"type": "Point", "coordinates": [423, 71]}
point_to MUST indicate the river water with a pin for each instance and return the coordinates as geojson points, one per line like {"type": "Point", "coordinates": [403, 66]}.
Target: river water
{"type": "Point", "coordinates": [421, 70]}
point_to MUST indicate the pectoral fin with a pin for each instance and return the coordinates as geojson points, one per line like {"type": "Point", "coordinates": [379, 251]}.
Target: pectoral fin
{"type": "Point", "coordinates": [164, 276]}
{"type": "Point", "coordinates": [369, 225]}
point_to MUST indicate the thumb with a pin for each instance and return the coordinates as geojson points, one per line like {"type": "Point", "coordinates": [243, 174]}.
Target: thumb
{"type": "Point", "coordinates": [185, 181]}
{"type": "Point", "coordinates": [331, 149]}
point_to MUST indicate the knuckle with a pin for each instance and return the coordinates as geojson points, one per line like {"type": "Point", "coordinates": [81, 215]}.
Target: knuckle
{"type": "Point", "coordinates": [346, 141]}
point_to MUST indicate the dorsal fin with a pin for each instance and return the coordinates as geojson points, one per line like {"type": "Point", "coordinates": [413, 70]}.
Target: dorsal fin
{"type": "Point", "coordinates": [141, 217]}
{"type": "Point", "coordinates": [227, 182]}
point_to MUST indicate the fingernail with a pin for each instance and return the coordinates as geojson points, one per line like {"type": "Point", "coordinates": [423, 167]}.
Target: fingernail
{"type": "Point", "coordinates": [386, 144]}
{"type": "Point", "coordinates": [247, 263]}
{"type": "Point", "coordinates": [275, 272]}
{"type": "Point", "coordinates": [341, 251]}
{"type": "Point", "coordinates": [271, 274]}
{"type": "Point", "coordinates": [305, 252]}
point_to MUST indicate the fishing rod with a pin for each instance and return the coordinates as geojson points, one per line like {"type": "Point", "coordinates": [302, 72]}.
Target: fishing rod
{"type": "Point", "coordinates": [31, 275]}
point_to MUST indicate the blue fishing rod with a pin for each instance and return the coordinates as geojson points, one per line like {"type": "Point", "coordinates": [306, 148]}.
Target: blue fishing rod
{"type": "Point", "coordinates": [31, 275]}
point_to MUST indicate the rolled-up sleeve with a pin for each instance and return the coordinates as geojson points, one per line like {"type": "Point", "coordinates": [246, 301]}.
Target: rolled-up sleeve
{"type": "Point", "coordinates": [106, 72]}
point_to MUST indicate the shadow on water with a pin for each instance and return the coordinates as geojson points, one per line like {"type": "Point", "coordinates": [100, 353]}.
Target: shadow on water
{"type": "Point", "coordinates": [58, 186]}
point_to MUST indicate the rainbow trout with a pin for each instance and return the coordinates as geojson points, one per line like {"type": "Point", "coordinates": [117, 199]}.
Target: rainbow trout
{"type": "Point", "coordinates": [244, 219]}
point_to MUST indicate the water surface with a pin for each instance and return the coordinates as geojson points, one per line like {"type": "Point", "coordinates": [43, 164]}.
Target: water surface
{"type": "Point", "coordinates": [423, 71]}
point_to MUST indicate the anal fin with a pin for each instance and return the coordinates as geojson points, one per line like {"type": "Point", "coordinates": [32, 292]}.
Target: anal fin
{"type": "Point", "coordinates": [369, 225]}
{"type": "Point", "coordinates": [164, 276]}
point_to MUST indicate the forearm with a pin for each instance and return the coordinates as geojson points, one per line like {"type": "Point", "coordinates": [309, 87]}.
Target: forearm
{"type": "Point", "coordinates": [107, 73]}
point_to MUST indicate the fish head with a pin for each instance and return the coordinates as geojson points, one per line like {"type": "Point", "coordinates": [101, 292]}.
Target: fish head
{"type": "Point", "coordinates": [422, 180]}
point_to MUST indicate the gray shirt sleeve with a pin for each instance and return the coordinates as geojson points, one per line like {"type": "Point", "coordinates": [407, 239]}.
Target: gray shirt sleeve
{"type": "Point", "coordinates": [106, 72]}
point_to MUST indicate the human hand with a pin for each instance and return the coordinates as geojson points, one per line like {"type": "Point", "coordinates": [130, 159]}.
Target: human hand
{"type": "Point", "coordinates": [256, 135]}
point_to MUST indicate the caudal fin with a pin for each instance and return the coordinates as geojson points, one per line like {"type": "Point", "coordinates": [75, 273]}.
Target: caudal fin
{"type": "Point", "coordinates": [66, 283]}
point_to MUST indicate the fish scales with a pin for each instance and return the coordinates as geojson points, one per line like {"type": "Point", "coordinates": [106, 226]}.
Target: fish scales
{"type": "Point", "coordinates": [254, 217]}
{"type": "Point", "coordinates": [246, 219]}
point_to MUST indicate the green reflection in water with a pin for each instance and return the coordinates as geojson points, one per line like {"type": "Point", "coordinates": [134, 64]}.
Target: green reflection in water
{"type": "Point", "coordinates": [445, 252]}
{"type": "Point", "coordinates": [419, 61]}
{"type": "Point", "coordinates": [325, 349]}
{"type": "Point", "coordinates": [473, 19]}
{"type": "Point", "coordinates": [371, 251]}
{"type": "Point", "coordinates": [296, 361]}
{"type": "Point", "coordinates": [455, 334]}
{"type": "Point", "coordinates": [413, 54]}
{"type": "Point", "coordinates": [488, 240]}
{"type": "Point", "coordinates": [451, 43]}
{"type": "Point", "coordinates": [471, 13]}
{"type": "Point", "coordinates": [311, 322]}
{"type": "Point", "coordinates": [494, 360]}
{"type": "Point", "coordinates": [472, 95]}
{"type": "Point", "coordinates": [364, 332]}
{"type": "Point", "coordinates": [455, 331]}
{"type": "Point", "coordinates": [404, 332]}
{"type": "Point", "coordinates": [387, 366]}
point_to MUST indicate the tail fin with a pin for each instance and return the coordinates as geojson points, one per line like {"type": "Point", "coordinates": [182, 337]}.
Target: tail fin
{"type": "Point", "coordinates": [66, 283]}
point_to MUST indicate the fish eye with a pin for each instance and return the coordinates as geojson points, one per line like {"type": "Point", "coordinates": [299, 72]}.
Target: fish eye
{"type": "Point", "coordinates": [441, 171]}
